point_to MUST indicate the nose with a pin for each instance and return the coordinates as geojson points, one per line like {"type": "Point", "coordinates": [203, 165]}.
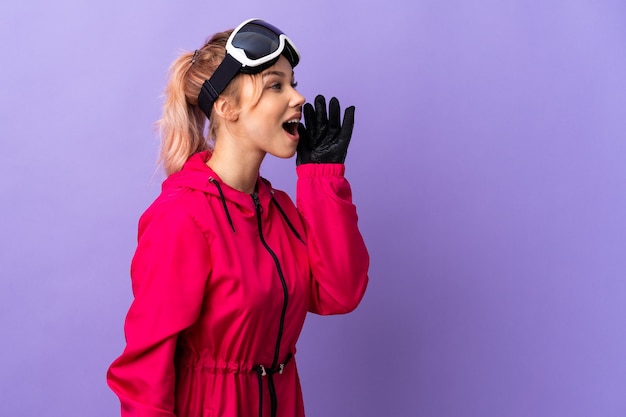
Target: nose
{"type": "Point", "coordinates": [297, 100]}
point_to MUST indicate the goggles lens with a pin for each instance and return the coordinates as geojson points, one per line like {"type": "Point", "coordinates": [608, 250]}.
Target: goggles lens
{"type": "Point", "coordinates": [256, 41]}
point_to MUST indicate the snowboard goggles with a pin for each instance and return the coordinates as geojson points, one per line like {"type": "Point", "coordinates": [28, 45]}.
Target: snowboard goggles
{"type": "Point", "coordinates": [252, 47]}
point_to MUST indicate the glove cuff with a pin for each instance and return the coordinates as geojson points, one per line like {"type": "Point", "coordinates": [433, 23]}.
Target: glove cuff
{"type": "Point", "coordinates": [320, 170]}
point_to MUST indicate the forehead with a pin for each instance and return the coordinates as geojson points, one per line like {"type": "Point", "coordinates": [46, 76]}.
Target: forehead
{"type": "Point", "coordinates": [282, 67]}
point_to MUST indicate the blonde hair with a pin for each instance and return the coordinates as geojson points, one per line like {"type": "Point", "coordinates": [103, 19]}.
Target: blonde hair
{"type": "Point", "coordinates": [182, 124]}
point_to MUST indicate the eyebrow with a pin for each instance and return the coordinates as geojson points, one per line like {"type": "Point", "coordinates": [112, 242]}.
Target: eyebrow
{"type": "Point", "coordinates": [277, 73]}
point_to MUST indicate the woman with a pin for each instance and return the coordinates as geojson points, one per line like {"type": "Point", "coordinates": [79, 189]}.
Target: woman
{"type": "Point", "coordinates": [226, 267]}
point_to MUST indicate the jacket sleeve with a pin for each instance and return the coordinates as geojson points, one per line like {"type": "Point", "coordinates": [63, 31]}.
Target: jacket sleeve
{"type": "Point", "coordinates": [337, 254]}
{"type": "Point", "coordinates": [169, 272]}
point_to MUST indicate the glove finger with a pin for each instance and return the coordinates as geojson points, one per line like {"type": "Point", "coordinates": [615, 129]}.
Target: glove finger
{"type": "Point", "coordinates": [309, 118]}
{"type": "Point", "coordinates": [334, 114]}
{"type": "Point", "coordinates": [348, 123]}
{"type": "Point", "coordinates": [320, 112]}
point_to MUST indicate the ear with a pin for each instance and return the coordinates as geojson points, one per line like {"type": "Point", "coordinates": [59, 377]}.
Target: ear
{"type": "Point", "coordinates": [224, 108]}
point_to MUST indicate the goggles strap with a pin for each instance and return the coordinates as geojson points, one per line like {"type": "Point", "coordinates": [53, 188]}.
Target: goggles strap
{"type": "Point", "coordinates": [213, 87]}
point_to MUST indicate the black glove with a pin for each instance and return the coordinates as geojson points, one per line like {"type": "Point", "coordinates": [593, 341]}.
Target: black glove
{"type": "Point", "coordinates": [324, 140]}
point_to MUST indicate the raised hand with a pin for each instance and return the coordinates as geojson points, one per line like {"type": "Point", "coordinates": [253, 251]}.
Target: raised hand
{"type": "Point", "coordinates": [324, 140]}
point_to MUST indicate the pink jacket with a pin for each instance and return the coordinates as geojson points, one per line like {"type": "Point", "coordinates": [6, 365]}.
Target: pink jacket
{"type": "Point", "coordinates": [222, 281]}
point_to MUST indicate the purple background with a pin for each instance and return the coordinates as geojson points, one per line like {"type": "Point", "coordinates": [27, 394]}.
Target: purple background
{"type": "Point", "coordinates": [488, 165]}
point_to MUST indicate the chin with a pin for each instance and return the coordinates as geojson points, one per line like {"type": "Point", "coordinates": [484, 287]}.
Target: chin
{"type": "Point", "coordinates": [284, 150]}
{"type": "Point", "coordinates": [286, 154]}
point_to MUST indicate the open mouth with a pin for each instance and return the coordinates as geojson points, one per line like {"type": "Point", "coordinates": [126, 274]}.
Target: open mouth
{"type": "Point", "coordinates": [291, 127]}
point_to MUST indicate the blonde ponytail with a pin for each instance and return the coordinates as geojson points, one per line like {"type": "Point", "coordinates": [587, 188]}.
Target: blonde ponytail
{"type": "Point", "coordinates": [182, 124]}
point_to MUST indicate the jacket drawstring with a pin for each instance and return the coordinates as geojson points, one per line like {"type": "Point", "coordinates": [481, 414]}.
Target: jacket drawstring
{"type": "Point", "coordinates": [230, 220]}
{"type": "Point", "coordinates": [282, 212]}
{"type": "Point", "coordinates": [261, 372]}
{"type": "Point", "coordinates": [219, 190]}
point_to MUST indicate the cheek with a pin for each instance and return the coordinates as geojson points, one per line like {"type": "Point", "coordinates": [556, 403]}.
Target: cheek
{"type": "Point", "coordinates": [266, 116]}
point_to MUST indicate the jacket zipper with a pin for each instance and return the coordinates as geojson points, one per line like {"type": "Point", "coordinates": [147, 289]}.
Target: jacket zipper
{"type": "Point", "coordinates": [257, 206]}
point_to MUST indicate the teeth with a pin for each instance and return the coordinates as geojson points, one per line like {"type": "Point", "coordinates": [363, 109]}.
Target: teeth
{"type": "Point", "coordinates": [292, 121]}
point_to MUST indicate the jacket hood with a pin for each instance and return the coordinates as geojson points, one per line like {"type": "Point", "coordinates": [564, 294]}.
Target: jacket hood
{"type": "Point", "coordinates": [196, 175]}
